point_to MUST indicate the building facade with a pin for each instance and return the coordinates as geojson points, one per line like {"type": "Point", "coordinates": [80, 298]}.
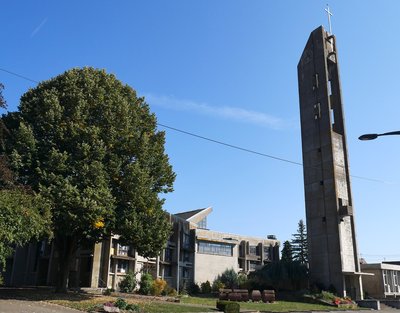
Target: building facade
{"type": "Point", "coordinates": [192, 254]}
{"type": "Point", "coordinates": [383, 281]}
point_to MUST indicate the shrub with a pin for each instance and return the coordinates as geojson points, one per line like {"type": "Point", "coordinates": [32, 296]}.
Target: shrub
{"type": "Point", "coordinates": [242, 281]}
{"type": "Point", "coordinates": [228, 306]}
{"type": "Point", "coordinates": [217, 285]}
{"type": "Point", "coordinates": [229, 278]}
{"type": "Point", "coordinates": [206, 287]}
{"type": "Point", "coordinates": [326, 295]}
{"type": "Point", "coordinates": [108, 291]}
{"type": "Point", "coordinates": [193, 289]}
{"type": "Point", "coordinates": [158, 286]}
{"type": "Point", "coordinates": [146, 283]}
{"type": "Point", "coordinates": [121, 303]}
{"type": "Point", "coordinates": [169, 291]}
{"type": "Point", "coordinates": [128, 284]}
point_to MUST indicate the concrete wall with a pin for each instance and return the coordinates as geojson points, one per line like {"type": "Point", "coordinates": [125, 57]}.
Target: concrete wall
{"type": "Point", "coordinates": [208, 267]}
{"type": "Point", "coordinates": [373, 285]}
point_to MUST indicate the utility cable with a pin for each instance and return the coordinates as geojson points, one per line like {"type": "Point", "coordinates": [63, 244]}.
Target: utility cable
{"type": "Point", "coordinates": [18, 75]}
{"type": "Point", "coordinates": [259, 153]}
{"type": "Point", "coordinates": [229, 145]}
{"type": "Point", "coordinates": [217, 141]}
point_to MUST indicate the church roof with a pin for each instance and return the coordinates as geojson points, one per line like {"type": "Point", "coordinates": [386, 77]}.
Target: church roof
{"type": "Point", "coordinates": [195, 215]}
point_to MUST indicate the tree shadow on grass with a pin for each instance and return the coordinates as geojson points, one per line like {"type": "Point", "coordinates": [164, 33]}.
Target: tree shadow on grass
{"type": "Point", "coordinates": [42, 294]}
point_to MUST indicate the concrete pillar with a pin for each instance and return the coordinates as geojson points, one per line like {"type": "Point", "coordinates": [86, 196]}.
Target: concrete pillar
{"type": "Point", "coordinates": [95, 274]}
{"type": "Point", "coordinates": [51, 264]}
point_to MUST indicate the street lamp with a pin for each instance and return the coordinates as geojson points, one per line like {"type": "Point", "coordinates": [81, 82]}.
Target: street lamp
{"type": "Point", "coordinates": [374, 136]}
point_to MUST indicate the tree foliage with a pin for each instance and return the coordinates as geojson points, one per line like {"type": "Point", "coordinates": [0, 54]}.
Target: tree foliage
{"type": "Point", "coordinates": [229, 278]}
{"type": "Point", "coordinates": [280, 276]}
{"type": "Point", "coordinates": [6, 176]}
{"type": "Point", "coordinates": [22, 217]}
{"type": "Point", "coordinates": [89, 146]}
{"type": "Point", "coordinates": [2, 101]}
{"type": "Point", "coordinates": [287, 253]}
{"type": "Point", "coordinates": [128, 283]}
{"type": "Point", "coordinates": [299, 244]}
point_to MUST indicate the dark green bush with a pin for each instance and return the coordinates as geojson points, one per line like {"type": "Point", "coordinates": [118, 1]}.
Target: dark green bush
{"type": "Point", "coordinates": [128, 284]}
{"type": "Point", "coordinates": [217, 285]}
{"type": "Point", "coordinates": [169, 291]}
{"type": "Point", "coordinates": [206, 287]}
{"type": "Point", "coordinates": [229, 278]}
{"type": "Point", "coordinates": [193, 289]}
{"type": "Point", "coordinates": [228, 306]}
{"type": "Point", "coordinates": [146, 284]}
{"type": "Point", "coordinates": [121, 303]}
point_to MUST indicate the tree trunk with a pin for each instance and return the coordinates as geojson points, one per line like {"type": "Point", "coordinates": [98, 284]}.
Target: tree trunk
{"type": "Point", "coordinates": [66, 247]}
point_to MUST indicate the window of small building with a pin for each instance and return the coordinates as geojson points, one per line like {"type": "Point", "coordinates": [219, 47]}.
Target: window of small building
{"type": "Point", "coordinates": [267, 255]}
{"type": "Point", "coordinates": [215, 248]}
{"type": "Point", "coordinates": [123, 250]}
{"type": "Point", "coordinates": [253, 265]}
{"type": "Point", "coordinates": [185, 272]}
{"type": "Point", "coordinates": [168, 255]}
{"type": "Point", "coordinates": [186, 256]}
{"type": "Point", "coordinates": [391, 281]}
{"type": "Point", "coordinates": [122, 266]}
{"type": "Point", "coordinates": [253, 250]}
{"type": "Point", "coordinates": [167, 271]}
{"type": "Point", "coordinates": [186, 240]}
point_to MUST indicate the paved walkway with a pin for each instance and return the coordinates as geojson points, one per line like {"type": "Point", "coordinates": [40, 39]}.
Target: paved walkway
{"type": "Point", "coordinates": [26, 306]}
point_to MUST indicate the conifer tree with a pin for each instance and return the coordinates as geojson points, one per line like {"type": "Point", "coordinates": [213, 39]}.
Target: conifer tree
{"type": "Point", "coordinates": [299, 244]}
{"type": "Point", "coordinates": [287, 253]}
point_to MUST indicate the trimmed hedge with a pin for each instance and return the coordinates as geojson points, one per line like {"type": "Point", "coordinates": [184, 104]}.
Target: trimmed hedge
{"type": "Point", "coordinates": [228, 306]}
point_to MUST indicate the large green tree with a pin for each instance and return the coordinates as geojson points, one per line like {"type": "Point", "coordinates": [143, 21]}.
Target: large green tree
{"type": "Point", "coordinates": [90, 147]}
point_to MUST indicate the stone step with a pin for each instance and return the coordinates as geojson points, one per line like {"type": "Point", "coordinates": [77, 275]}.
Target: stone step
{"type": "Point", "coordinates": [387, 307]}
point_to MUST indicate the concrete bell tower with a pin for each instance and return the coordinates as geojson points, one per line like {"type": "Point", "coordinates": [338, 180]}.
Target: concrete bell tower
{"type": "Point", "coordinates": [333, 256]}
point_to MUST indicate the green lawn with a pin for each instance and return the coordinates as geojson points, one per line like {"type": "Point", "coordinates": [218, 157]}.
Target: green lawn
{"type": "Point", "coordinates": [95, 304]}
{"type": "Point", "coordinates": [91, 303]}
{"type": "Point", "coordinates": [194, 304]}
{"type": "Point", "coordinates": [278, 306]}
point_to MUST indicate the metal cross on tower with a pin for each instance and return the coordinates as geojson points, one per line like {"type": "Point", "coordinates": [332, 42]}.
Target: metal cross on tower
{"type": "Point", "coordinates": [329, 13]}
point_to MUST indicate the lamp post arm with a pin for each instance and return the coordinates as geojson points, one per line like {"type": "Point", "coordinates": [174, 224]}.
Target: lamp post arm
{"type": "Point", "coordinates": [390, 133]}
{"type": "Point", "coordinates": [374, 136]}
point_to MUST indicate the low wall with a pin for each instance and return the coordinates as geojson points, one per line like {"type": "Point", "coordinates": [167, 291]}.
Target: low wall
{"type": "Point", "coordinates": [392, 303]}
{"type": "Point", "coordinates": [371, 304]}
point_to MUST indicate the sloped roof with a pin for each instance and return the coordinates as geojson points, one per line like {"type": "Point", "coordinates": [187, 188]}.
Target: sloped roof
{"type": "Point", "coordinates": [195, 216]}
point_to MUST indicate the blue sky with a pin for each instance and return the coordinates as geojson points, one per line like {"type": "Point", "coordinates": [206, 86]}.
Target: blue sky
{"type": "Point", "coordinates": [227, 70]}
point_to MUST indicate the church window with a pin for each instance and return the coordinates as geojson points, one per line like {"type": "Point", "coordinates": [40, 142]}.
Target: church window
{"type": "Point", "coordinates": [215, 248]}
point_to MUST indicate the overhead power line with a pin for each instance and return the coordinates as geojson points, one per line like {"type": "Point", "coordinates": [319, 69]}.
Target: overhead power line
{"type": "Point", "coordinates": [18, 75]}
{"type": "Point", "coordinates": [256, 152]}
{"type": "Point", "coordinates": [215, 141]}
{"type": "Point", "coordinates": [229, 145]}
